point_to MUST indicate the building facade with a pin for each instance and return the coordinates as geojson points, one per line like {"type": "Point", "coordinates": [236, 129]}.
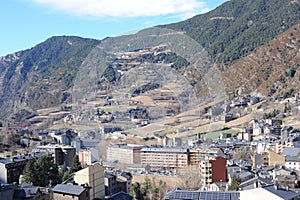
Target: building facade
{"type": "Point", "coordinates": [124, 153]}
{"type": "Point", "coordinates": [93, 176]}
{"type": "Point", "coordinates": [165, 158]}
{"type": "Point", "coordinates": [212, 169]}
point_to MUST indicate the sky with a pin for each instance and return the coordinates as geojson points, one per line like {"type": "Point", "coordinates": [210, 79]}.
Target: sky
{"type": "Point", "coordinates": [25, 23]}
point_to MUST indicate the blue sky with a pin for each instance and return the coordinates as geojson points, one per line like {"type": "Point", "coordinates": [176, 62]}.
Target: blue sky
{"type": "Point", "coordinates": [25, 23]}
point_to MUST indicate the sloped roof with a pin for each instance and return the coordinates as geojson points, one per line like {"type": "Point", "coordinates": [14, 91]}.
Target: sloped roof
{"type": "Point", "coordinates": [291, 151]}
{"type": "Point", "coordinates": [285, 194]}
{"type": "Point", "coordinates": [120, 196]}
{"type": "Point", "coordinates": [68, 189]}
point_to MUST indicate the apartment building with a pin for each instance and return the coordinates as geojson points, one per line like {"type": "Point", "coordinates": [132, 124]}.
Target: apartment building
{"type": "Point", "coordinates": [88, 156]}
{"type": "Point", "coordinates": [283, 143]}
{"type": "Point", "coordinates": [159, 158]}
{"type": "Point", "coordinates": [124, 153]}
{"type": "Point", "coordinates": [12, 167]}
{"type": "Point", "coordinates": [212, 169]}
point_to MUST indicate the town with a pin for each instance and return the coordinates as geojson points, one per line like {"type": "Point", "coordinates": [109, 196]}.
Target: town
{"type": "Point", "coordinates": [201, 109]}
{"type": "Point", "coordinates": [260, 157]}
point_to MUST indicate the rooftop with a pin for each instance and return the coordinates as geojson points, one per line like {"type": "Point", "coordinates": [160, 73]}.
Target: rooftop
{"type": "Point", "coordinates": [179, 194]}
{"type": "Point", "coordinates": [164, 149]}
{"type": "Point", "coordinates": [285, 194]}
{"type": "Point", "coordinates": [68, 189]}
{"type": "Point", "coordinates": [20, 158]}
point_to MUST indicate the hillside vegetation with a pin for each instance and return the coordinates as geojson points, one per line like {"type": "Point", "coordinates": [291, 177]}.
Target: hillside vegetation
{"type": "Point", "coordinates": [41, 76]}
{"type": "Point", "coordinates": [255, 43]}
{"type": "Point", "coordinates": [237, 27]}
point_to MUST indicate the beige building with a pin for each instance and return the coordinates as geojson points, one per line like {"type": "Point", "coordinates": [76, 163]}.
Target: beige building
{"type": "Point", "coordinates": [94, 176]}
{"type": "Point", "coordinates": [88, 156]}
{"type": "Point", "coordinates": [276, 159]}
{"type": "Point", "coordinates": [124, 153]}
{"type": "Point", "coordinates": [85, 157]}
{"type": "Point", "coordinates": [281, 144]}
{"type": "Point", "coordinates": [165, 158]}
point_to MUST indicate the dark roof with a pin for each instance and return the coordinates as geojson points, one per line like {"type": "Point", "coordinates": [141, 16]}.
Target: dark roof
{"type": "Point", "coordinates": [26, 191]}
{"type": "Point", "coordinates": [109, 175]}
{"type": "Point", "coordinates": [264, 181]}
{"type": "Point", "coordinates": [120, 196]}
{"type": "Point", "coordinates": [285, 194]}
{"type": "Point", "coordinates": [292, 159]}
{"type": "Point", "coordinates": [126, 175]}
{"type": "Point", "coordinates": [178, 194]}
{"type": "Point", "coordinates": [290, 151]}
{"type": "Point", "coordinates": [7, 187]}
{"type": "Point", "coordinates": [68, 189]}
{"type": "Point", "coordinates": [14, 159]}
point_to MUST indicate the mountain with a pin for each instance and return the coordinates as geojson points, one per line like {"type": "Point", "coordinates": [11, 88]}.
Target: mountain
{"type": "Point", "coordinates": [41, 76]}
{"type": "Point", "coordinates": [237, 27]}
{"type": "Point", "coordinates": [271, 70]}
{"type": "Point", "coordinates": [255, 44]}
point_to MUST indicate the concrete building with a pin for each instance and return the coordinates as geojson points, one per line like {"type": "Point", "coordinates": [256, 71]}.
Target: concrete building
{"type": "Point", "coordinates": [212, 169]}
{"type": "Point", "coordinates": [283, 143]}
{"type": "Point", "coordinates": [159, 158]}
{"type": "Point", "coordinates": [126, 176]}
{"type": "Point", "coordinates": [124, 153]}
{"type": "Point", "coordinates": [61, 154]}
{"type": "Point", "coordinates": [88, 156]}
{"type": "Point", "coordinates": [114, 184]}
{"type": "Point", "coordinates": [93, 176]}
{"type": "Point", "coordinates": [12, 167]}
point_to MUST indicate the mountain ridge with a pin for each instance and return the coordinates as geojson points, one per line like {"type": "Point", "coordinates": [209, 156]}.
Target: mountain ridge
{"type": "Point", "coordinates": [42, 76]}
{"type": "Point", "coordinates": [237, 27]}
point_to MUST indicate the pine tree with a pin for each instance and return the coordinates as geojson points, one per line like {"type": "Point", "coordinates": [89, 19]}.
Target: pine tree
{"type": "Point", "coordinates": [45, 171]}
{"type": "Point", "coordinates": [235, 182]}
{"type": "Point", "coordinates": [28, 172]}
{"type": "Point", "coordinates": [76, 166]}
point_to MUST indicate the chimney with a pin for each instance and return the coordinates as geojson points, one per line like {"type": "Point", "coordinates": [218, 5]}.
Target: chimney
{"type": "Point", "coordinates": [287, 188]}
